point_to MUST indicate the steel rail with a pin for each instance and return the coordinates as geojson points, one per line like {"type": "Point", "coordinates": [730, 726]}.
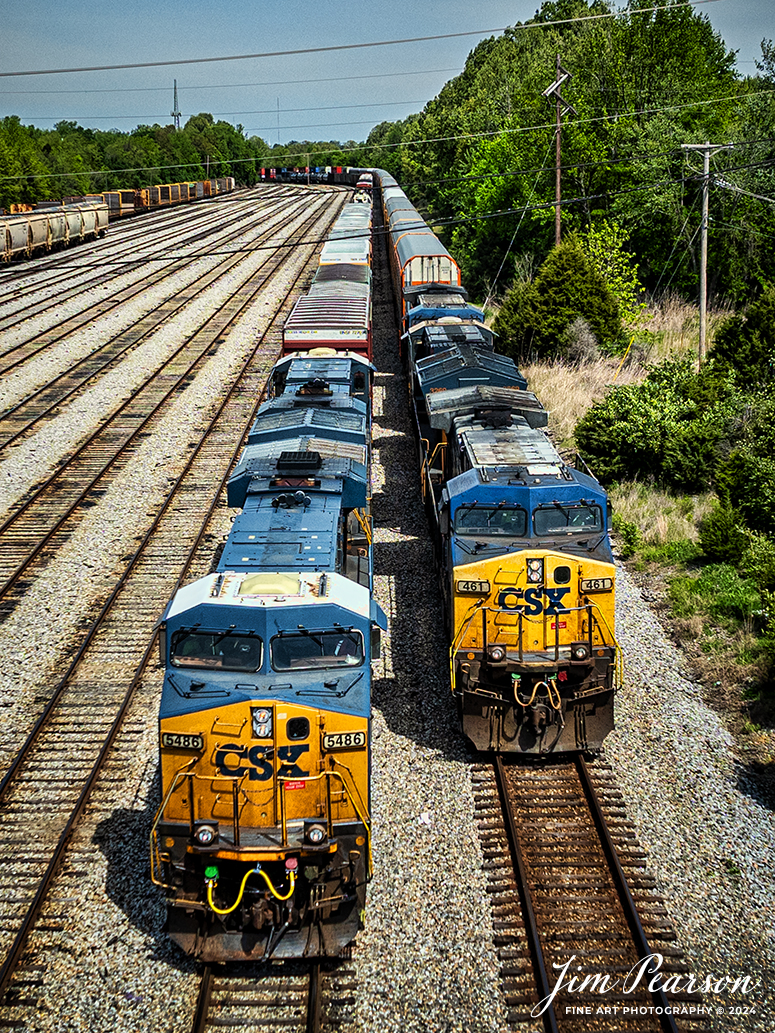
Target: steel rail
{"type": "Point", "coordinates": [548, 1018]}
{"type": "Point", "coordinates": [202, 1008]}
{"type": "Point", "coordinates": [662, 1004]}
{"type": "Point", "coordinates": [314, 998]}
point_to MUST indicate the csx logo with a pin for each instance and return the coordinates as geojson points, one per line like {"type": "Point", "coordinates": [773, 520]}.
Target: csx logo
{"type": "Point", "coordinates": [256, 761]}
{"type": "Point", "coordinates": [532, 603]}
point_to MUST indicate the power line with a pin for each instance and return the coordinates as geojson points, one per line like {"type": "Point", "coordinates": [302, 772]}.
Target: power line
{"type": "Point", "coordinates": [717, 181]}
{"type": "Point", "coordinates": [360, 46]}
{"type": "Point", "coordinates": [239, 86]}
{"type": "Point", "coordinates": [234, 114]}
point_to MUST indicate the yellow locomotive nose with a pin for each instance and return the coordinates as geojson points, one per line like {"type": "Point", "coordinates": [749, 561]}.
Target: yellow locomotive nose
{"type": "Point", "coordinates": [533, 660]}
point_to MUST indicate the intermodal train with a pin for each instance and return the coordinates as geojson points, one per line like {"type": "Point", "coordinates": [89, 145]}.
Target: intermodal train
{"type": "Point", "coordinates": [262, 842]}
{"type": "Point", "coordinates": [521, 535]}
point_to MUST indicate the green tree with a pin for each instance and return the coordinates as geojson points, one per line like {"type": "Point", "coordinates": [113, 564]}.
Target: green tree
{"type": "Point", "coordinates": [568, 287]}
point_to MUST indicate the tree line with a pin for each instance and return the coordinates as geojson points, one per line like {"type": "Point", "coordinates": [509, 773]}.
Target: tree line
{"type": "Point", "coordinates": [70, 160]}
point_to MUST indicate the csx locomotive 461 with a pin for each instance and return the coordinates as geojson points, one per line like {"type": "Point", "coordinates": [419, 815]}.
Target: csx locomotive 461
{"type": "Point", "coordinates": [263, 838]}
{"type": "Point", "coordinates": [527, 573]}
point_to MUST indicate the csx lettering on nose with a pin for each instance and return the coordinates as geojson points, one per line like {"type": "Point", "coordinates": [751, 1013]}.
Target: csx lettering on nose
{"type": "Point", "coordinates": [532, 603]}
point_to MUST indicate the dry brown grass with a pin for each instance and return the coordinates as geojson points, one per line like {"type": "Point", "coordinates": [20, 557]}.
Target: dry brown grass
{"type": "Point", "coordinates": [671, 328]}
{"type": "Point", "coordinates": [566, 390]}
{"type": "Point", "coordinates": [660, 517]}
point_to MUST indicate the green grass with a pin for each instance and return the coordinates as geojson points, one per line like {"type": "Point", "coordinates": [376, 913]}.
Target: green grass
{"type": "Point", "coordinates": [718, 591]}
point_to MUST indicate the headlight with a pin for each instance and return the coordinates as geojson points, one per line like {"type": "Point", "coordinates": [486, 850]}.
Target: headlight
{"type": "Point", "coordinates": [315, 832]}
{"type": "Point", "coordinates": [205, 832]}
{"type": "Point", "coordinates": [262, 722]}
{"type": "Point", "coordinates": [535, 571]}
{"type": "Point", "coordinates": [579, 651]}
{"type": "Point", "coordinates": [497, 653]}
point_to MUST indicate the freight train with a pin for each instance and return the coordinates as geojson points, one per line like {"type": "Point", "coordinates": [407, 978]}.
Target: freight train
{"type": "Point", "coordinates": [521, 536]}
{"type": "Point", "coordinates": [262, 842]}
{"type": "Point", "coordinates": [36, 229]}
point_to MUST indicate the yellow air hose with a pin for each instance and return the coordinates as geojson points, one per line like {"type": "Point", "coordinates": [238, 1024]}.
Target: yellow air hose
{"type": "Point", "coordinates": [212, 883]}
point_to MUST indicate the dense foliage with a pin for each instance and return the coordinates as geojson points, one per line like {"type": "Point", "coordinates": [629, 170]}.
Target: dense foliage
{"type": "Point", "coordinates": [69, 160]}
{"type": "Point", "coordinates": [715, 428]}
{"type": "Point", "coordinates": [539, 317]}
{"type": "Point", "coordinates": [643, 84]}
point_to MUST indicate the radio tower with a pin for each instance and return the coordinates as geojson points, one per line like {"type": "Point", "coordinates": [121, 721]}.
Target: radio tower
{"type": "Point", "coordinates": [175, 110]}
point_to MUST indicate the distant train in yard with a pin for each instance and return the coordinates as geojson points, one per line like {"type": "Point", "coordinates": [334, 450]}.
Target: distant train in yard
{"type": "Point", "coordinates": [36, 229]}
{"type": "Point", "coordinates": [263, 838]}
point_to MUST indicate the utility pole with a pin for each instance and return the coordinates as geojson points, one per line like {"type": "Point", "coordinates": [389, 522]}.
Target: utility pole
{"type": "Point", "coordinates": [562, 105]}
{"type": "Point", "coordinates": [708, 150]}
{"type": "Point", "coordinates": [175, 110]}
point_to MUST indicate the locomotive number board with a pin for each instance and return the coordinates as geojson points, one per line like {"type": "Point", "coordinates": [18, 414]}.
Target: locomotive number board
{"type": "Point", "coordinates": [180, 741]}
{"type": "Point", "coordinates": [344, 741]}
{"type": "Point", "coordinates": [473, 587]}
{"type": "Point", "coordinates": [597, 584]}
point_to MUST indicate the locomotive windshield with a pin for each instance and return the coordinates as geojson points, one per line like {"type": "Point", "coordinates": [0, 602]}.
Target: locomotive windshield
{"type": "Point", "coordinates": [484, 520]}
{"type": "Point", "coordinates": [313, 649]}
{"type": "Point", "coordinates": [564, 519]}
{"type": "Point", "coordinates": [220, 650]}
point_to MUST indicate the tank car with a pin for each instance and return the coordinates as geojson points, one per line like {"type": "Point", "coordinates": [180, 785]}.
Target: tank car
{"type": "Point", "coordinates": [263, 838]}
{"type": "Point", "coordinates": [52, 225]}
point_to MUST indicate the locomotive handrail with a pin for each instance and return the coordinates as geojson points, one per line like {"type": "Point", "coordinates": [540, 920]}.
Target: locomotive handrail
{"type": "Point", "coordinates": [472, 611]}
{"type": "Point", "coordinates": [179, 775]}
{"type": "Point", "coordinates": [600, 620]}
{"type": "Point", "coordinates": [355, 797]}
{"type": "Point", "coordinates": [347, 783]}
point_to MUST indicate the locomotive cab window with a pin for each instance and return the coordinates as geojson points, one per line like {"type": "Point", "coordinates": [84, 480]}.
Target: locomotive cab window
{"type": "Point", "coordinates": [316, 649]}
{"type": "Point", "coordinates": [484, 520]}
{"type": "Point", "coordinates": [565, 519]}
{"type": "Point", "coordinates": [219, 650]}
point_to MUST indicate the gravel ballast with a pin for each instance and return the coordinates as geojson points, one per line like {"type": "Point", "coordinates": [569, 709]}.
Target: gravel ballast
{"type": "Point", "coordinates": [425, 960]}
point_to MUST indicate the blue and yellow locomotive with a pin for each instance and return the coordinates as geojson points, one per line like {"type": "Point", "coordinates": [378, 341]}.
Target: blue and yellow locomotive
{"type": "Point", "coordinates": [263, 838]}
{"type": "Point", "coordinates": [522, 541]}
{"type": "Point", "coordinates": [527, 570]}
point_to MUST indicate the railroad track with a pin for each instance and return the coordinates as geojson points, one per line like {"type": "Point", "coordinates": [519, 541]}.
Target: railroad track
{"type": "Point", "coordinates": [47, 513]}
{"type": "Point", "coordinates": [121, 244]}
{"type": "Point", "coordinates": [17, 420]}
{"type": "Point", "coordinates": [296, 997]}
{"type": "Point", "coordinates": [45, 791]}
{"type": "Point", "coordinates": [218, 233]}
{"type": "Point", "coordinates": [571, 898]}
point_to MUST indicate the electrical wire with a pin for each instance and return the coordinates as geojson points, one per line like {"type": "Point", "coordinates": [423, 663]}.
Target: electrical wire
{"type": "Point", "coordinates": [234, 114]}
{"type": "Point", "coordinates": [675, 245]}
{"type": "Point", "coordinates": [491, 291]}
{"type": "Point", "coordinates": [739, 190]}
{"type": "Point", "coordinates": [361, 46]}
{"type": "Point", "coordinates": [242, 85]}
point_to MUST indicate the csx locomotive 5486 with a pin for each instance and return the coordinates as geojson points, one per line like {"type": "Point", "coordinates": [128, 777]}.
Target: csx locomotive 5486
{"type": "Point", "coordinates": [263, 837]}
{"type": "Point", "coordinates": [527, 573]}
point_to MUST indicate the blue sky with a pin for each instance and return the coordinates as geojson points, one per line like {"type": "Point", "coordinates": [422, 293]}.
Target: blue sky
{"type": "Point", "coordinates": [333, 96]}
